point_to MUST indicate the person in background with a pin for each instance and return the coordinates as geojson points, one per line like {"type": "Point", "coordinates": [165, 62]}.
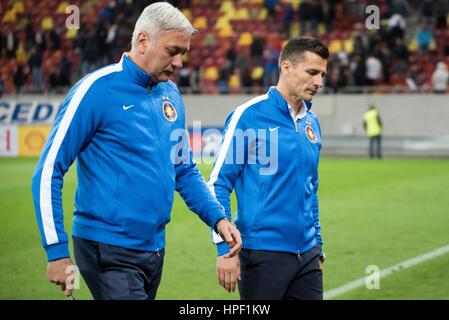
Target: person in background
{"type": "Point", "coordinates": [440, 78]}
{"type": "Point", "coordinates": [373, 128]}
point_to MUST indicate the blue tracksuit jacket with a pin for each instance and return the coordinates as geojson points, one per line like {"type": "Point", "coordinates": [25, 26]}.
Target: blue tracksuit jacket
{"type": "Point", "coordinates": [277, 200]}
{"type": "Point", "coordinates": [132, 152]}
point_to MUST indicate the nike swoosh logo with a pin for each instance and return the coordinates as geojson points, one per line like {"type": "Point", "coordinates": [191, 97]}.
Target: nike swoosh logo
{"type": "Point", "coordinates": [127, 107]}
{"type": "Point", "coordinates": [272, 129]}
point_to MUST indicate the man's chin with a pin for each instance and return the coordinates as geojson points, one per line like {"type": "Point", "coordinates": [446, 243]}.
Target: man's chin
{"type": "Point", "coordinates": [162, 78]}
{"type": "Point", "coordinates": [308, 96]}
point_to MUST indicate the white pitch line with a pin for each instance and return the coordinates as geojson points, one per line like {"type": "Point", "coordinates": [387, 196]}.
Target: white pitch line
{"type": "Point", "coordinates": [386, 272]}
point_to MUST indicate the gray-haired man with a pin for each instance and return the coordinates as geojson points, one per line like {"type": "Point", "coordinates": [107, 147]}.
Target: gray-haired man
{"type": "Point", "coordinates": [117, 123]}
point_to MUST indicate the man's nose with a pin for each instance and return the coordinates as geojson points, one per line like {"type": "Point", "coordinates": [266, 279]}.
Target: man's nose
{"type": "Point", "coordinates": [177, 61]}
{"type": "Point", "coordinates": [318, 80]}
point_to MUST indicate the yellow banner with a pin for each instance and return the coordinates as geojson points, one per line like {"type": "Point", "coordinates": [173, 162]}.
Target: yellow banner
{"type": "Point", "coordinates": [32, 139]}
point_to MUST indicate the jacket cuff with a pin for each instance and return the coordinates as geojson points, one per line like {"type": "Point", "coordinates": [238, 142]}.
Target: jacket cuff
{"type": "Point", "coordinates": [215, 216]}
{"type": "Point", "coordinates": [222, 248]}
{"type": "Point", "coordinates": [57, 251]}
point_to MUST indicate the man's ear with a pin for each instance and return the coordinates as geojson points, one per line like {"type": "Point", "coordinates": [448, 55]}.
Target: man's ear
{"type": "Point", "coordinates": [143, 41]}
{"type": "Point", "coordinates": [286, 66]}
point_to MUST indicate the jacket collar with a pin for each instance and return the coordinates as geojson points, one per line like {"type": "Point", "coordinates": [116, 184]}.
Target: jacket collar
{"type": "Point", "coordinates": [280, 101]}
{"type": "Point", "coordinates": [136, 73]}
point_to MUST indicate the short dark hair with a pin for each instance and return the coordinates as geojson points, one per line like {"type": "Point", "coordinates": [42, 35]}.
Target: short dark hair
{"type": "Point", "coordinates": [297, 46]}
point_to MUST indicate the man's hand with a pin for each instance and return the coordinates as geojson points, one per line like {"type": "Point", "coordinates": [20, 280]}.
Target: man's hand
{"type": "Point", "coordinates": [58, 272]}
{"type": "Point", "coordinates": [321, 259]}
{"type": "Point", "coordinates": [231, 235]}
{"type": "Point", "coordinates": [228, 272]}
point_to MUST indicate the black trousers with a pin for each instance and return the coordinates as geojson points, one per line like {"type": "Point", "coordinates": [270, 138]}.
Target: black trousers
{"type": "Point", "coordinates": [375, 147]}
{"type": "Point", "coordinates": [273, 275]}
{"type": "Point", "coordinates": [116, 273]}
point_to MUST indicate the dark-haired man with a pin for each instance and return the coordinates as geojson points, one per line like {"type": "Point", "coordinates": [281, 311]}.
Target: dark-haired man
{"type": "Point", "coordinates": [277, 200]}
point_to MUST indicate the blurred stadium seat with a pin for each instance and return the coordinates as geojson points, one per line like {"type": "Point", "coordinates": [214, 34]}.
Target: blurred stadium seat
{"type": "Point", "coordinates": [27, 25]}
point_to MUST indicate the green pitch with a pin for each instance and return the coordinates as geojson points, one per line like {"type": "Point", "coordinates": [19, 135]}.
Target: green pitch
{"type": "Point", "coordinates": [372, 212]}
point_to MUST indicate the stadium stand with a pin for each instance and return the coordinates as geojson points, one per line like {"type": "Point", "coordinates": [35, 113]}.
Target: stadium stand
{"type": "Point", "coordinates": [237, 46]}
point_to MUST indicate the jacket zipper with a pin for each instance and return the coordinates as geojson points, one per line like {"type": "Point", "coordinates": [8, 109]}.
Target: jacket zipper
{"type": "Point", "coordinates": [300, 171]}
{"type": "Point", "coordinates": [163, 158]}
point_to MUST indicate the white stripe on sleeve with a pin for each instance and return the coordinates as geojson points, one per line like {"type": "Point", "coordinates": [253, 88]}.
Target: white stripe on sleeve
{"type": "Point", "coordinates": [225, 147]}
{"type": "Point", "coordinates": [228, 139]}
{"type": "Point", "coordinates": [51, 236]}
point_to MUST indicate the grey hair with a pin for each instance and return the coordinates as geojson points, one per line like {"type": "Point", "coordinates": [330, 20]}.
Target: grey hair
{"type": "Point", "coordinates": [161, 16]}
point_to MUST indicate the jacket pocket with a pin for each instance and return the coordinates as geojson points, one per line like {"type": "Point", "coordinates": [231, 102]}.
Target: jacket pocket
{"type": "Point", "coordinates": [115, 217]}
{"type": "Point", "coordinates": [118, 187]}
{"type": "Point", "coordinates": [257, 217]}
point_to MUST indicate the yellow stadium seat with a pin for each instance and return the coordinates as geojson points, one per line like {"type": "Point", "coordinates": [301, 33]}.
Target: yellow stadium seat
{"type": "Point", "coordinates": [21, 56]}
{"type": "Point", "coordinates": [295, 4]}
{"type": "Point", "coordinates": [335, 46]}
{"type": "Point", "coordinates": [18, 7]}
{"type": "Point", "coordinates": [222, 22]}
{"type": "Point", "coordinates": [263, 14]}
{"type": "Point", "coordinates": [71, 33]}
{"type": "Point", "coordinates": [348, 45]}
{"type": "Point", "coordinates": [211, 73]}
{"type": "Point", "coordinates": [62, 6]}
{"type": "Point", "coordinates": [241, 14]}
{"type": "Point", "coordinates": [412, 46]}
{"type": "Point", "coordinates": [321, 29]}
{"type": "Point", "coordinates": [225, 31]}
{"type": "Point", "coordinates": [245, 39]}
{"type": "Point", "coordinates": [228, 15]}
{"type": "Point", "coordinates": [257, 73]}
{"type": "Point", "coordinates": [47, 23]}
{"type": "Point", "coordinates": [227, 6]}
{"type": "Point", "coordinates": [10, 16]}
{"type": "Point", "coordinates": [200, 23]}
{"type": "Point", "coordinates": [234, 81]}
{"type": "Point", "coordinates": [294, 28]}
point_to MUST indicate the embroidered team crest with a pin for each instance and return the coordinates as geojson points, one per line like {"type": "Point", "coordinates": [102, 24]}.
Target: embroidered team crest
{"type": "Point", "coordinates": [311, 134]}
{"type": "Point", "coordinates": [169, 111]}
